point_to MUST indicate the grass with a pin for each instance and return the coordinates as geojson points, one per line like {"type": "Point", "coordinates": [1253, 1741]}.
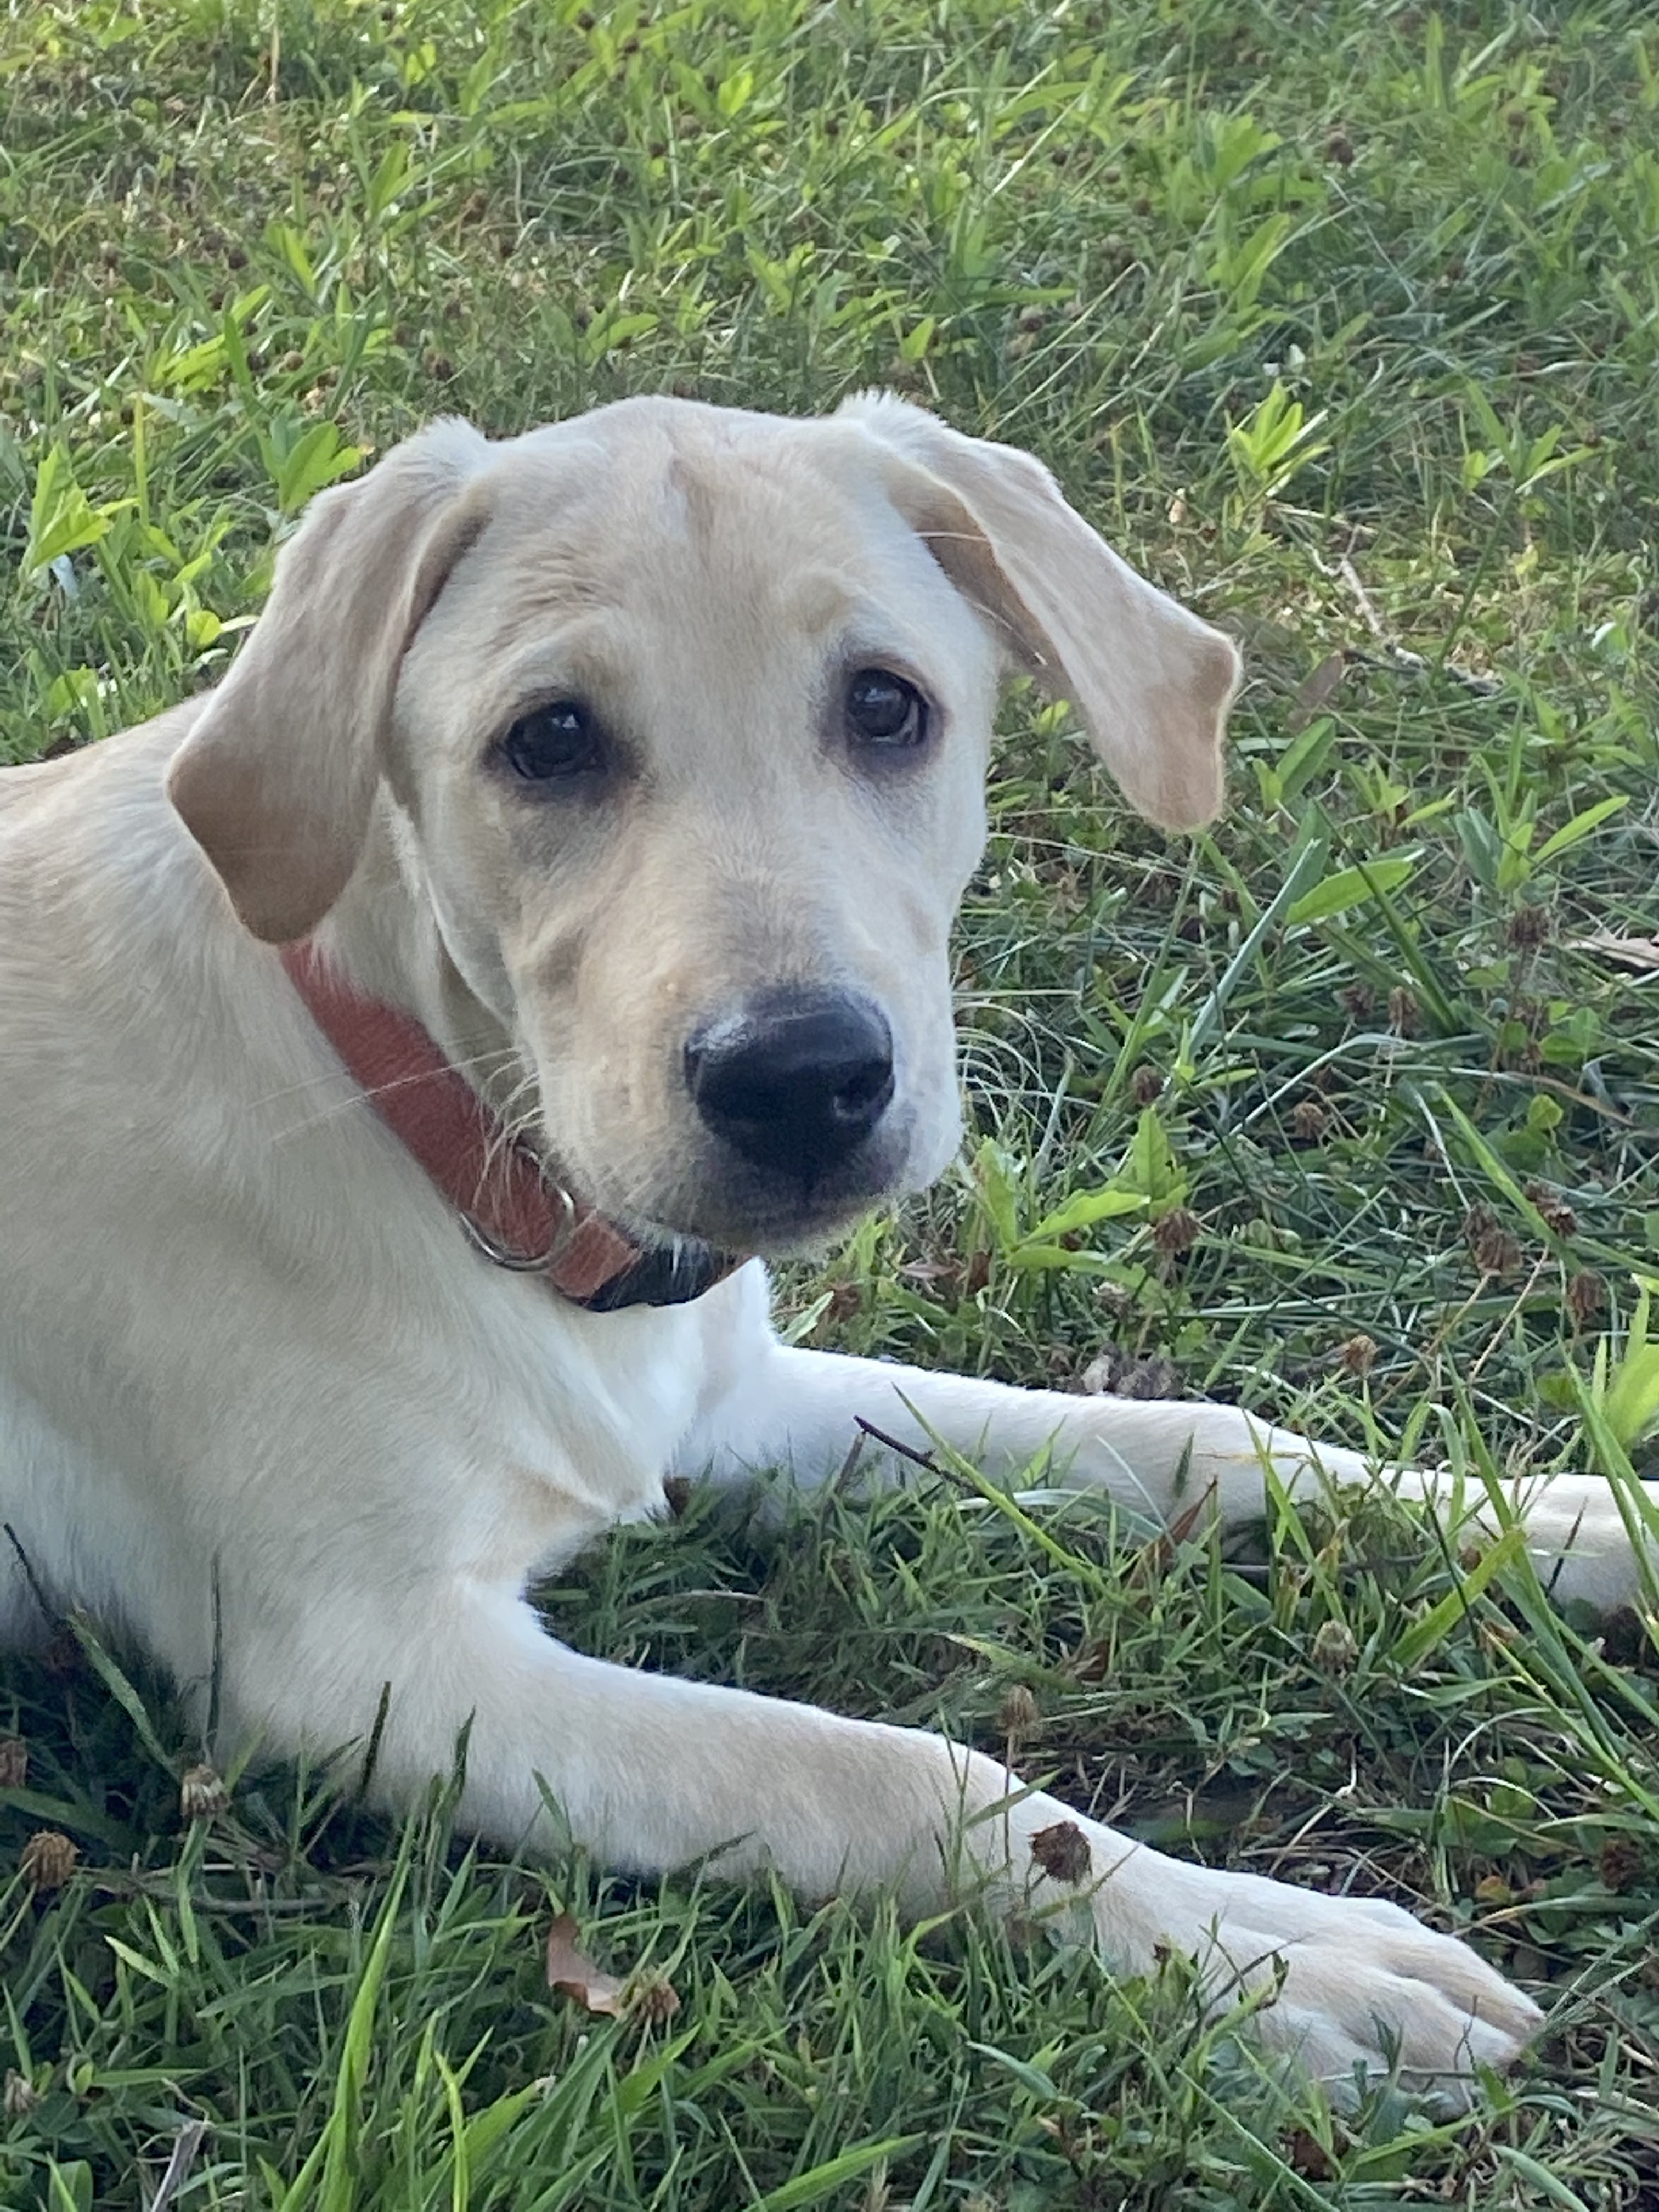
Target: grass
{"type": "Point", "coordinates": [1344, 321]}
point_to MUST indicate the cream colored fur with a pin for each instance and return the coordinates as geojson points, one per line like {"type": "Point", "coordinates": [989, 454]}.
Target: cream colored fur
{"type": "Point", "coordinates": [242, 1339]}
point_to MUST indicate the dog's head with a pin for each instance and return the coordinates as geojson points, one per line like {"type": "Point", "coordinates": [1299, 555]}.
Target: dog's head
{"type": "Point", "coordinates": [676, 720]}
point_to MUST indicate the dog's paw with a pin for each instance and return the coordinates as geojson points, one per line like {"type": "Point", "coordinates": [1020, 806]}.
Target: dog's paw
{"type": "Point", "coordinates": [1362, 1987]}
{"type": "Point", "coordinates": [1351, 1988]}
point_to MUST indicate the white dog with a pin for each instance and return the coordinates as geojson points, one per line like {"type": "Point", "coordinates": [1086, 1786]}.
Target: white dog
{"type": "Point", "coordinates": [609, 793]}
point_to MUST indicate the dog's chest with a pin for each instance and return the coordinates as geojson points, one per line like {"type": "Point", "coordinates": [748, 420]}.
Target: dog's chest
{"type": "Point", "coordinates": [567, 1420]}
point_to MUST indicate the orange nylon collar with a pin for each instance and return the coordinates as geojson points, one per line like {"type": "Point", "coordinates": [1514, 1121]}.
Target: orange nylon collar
{"type": "Point", "coordinates": [510, 1207]}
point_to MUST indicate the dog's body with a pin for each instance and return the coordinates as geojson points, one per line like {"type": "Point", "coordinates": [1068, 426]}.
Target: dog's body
{"type": "Point", "coordinates": [254, 1384]}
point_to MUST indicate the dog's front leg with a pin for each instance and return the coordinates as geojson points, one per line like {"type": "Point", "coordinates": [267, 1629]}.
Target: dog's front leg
{"type": "Point", "coordinates": [771, 1405]}
{"type": "Point", "coordinates": [649, 1772]}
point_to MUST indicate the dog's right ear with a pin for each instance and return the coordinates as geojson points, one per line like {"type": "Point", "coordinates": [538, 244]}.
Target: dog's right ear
{"type": "Point", "coordinates": [1150, 682]}
{"type": "Point", "coordinates": [277, 776]}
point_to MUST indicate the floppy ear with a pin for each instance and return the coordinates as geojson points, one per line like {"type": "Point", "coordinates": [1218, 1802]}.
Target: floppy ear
{"type": "Point", "coordinates": [276, 778]}
{"type": "Point", "coordinates": [1151, 681]}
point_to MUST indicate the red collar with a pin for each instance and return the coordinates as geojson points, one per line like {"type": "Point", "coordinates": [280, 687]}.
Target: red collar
{"type": "Point", "coordinates": [511, 1208]}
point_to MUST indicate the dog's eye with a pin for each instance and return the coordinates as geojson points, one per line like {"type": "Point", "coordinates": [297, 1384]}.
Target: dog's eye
{"type": "Point", "coordinates": [563, 739]}
{"type": "Point", "coordinates": [883, 709]}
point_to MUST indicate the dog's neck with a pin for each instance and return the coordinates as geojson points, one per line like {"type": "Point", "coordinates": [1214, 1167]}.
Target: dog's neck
{"type": "Point", "coordinates": [380, 983]}
{"type": "Point", "coordinates": [383, 936]}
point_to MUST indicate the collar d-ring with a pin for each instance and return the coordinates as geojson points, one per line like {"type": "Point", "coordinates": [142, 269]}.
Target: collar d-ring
{"type": "Point", "coordinates": [526, 1263]}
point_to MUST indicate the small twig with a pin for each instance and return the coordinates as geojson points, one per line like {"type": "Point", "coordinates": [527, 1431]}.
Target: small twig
{"type": "Point", "coordinates": [921, 1459]}
{"type": "Point", "coordinates": [52, 1620]}
{"type": "Point", "coordinates": [1484, 687]}
{"type": "Point", "coordinates": [1350, 575]}
{"type": "Point", "coordinates": [185, 2145]}
{"type": "Point", "coordinates": [305, 1906]}
{"type": "Point", "coordinates": [842, 1482]}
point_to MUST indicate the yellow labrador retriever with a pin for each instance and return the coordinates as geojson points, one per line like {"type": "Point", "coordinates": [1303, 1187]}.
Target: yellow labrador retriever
{"type": "Point", "coordinates": [413, 1048]}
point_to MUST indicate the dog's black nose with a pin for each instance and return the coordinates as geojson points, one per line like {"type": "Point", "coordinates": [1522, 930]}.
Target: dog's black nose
{"type": "Point", "coordinates": [795, 1080]}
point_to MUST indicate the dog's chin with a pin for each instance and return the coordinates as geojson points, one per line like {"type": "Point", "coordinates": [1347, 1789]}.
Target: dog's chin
{"type": "Point", "coordinates": [737, 1210]}
{"type": "Point", "coordinates": [784, 1231]}
{"type": "Point", "coordinates": [716, 1198]}
{"type": "Point", "coordinates": [806, 1235]}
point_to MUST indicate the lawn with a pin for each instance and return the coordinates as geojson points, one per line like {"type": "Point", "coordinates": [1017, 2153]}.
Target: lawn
{"type": "Point", "coordinates": [1342, 320]}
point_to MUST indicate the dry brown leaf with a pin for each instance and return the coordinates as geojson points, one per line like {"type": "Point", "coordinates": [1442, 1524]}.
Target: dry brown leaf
{"type": "Point", "coordinates": [1641, 953]}
{"type": "Point", "coordinates": [572, 1973]}
{"type": "Point", "coordinates": [1308, 2156]}
{"type": "Point", "coordinates": [1315, 691]}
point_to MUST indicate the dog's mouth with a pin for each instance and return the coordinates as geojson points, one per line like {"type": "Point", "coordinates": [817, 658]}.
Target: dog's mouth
{"type": "Point", "coordinates": [705, 1196]}
{"type": "Point", "coordinates": [719, 1203]}
{"type": "Point", "coordinates": [680, 1241]}
{"type": "Point", "coordinates": [691, 1227]}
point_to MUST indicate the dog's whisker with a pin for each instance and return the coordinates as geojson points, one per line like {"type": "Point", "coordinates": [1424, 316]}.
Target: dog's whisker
{"type": "Point", "coordinates": [472, 1064]}
{"type": "Point", "coordinates": [517, 1123]}
{"type": "Point", "coordinates": [350, 1104]}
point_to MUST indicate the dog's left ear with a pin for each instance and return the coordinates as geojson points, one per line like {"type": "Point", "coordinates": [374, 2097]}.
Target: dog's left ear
{"type": "Point", "coordinates": [276, 778]}
{"type": "Point", "coordinates": [1151, 681]}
